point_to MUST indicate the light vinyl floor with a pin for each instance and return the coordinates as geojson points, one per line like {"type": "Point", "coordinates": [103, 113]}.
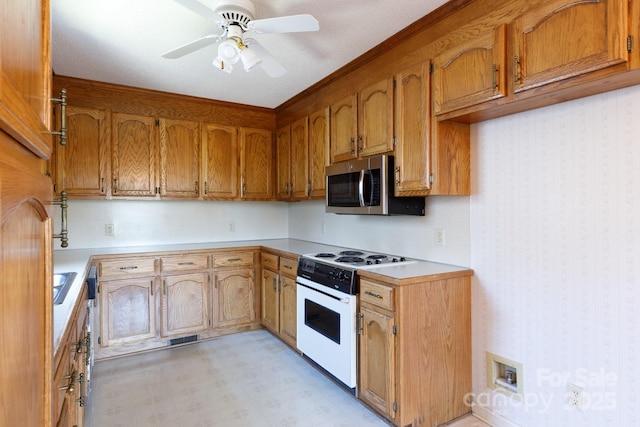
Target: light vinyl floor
{"type": "Point", "coordinates": [246, 379]}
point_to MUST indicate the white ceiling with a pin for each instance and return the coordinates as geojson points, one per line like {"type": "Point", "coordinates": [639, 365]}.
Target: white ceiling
{"type": "Point", "coordinates": [121, 41]}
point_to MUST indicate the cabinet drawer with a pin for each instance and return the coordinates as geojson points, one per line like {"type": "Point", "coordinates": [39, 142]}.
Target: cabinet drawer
{"type": "Point", "coordinates": [288, 267]}
{"type": "Point", "coordinates": [126, 267]}
{"type": "Point", "coordinates": [377, 294]}
{"type": "Point", "coordinates": [231, 259]}
{"type": "Point", "coordinates": [269, 261]}
{"type": "Point", "coordinates": [184, 262]}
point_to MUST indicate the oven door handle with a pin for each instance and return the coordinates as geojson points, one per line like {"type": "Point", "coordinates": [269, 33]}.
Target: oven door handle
{"type": "Point", "coordinates": [344, 300]}
{"type": "Point", "coordinates": [361, 188]}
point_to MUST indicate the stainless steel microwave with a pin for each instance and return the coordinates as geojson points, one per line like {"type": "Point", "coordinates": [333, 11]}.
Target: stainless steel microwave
{"type": "Point", "coordinates": [365, 187]}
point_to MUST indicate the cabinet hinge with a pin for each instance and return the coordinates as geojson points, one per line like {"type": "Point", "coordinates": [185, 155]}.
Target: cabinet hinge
{"type": "Point", "coordinates": [99, 340]}
{"type": "Point", "coordinates": [431, 68]}
{"type": "Point", "coordinates": [395, 406]}
{"type": "Point", "coordinates": [395, 141]}
{"type": "Point", "coordinates": [157, 122]}
{"type": "Point", "coordinates": [629, 44]}
{"type": "Point", "coordinates": [395, 329]}
{"type": "Point", "coordinates": [394, 84]}
{"type": "Point", "coordinates": [98, 288]}
{"type": "Point", "coordinates": [430, 178]}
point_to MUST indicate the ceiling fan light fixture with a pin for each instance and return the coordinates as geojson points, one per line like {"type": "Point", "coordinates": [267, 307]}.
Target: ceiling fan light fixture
{"type": "Point", "coordinates": [249, 59]}
{"type": "Point", "coordinates": [228, 52]}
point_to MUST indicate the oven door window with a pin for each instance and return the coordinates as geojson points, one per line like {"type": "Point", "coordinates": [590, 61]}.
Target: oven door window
{"type": "Point", "coordinates": [322, 320]}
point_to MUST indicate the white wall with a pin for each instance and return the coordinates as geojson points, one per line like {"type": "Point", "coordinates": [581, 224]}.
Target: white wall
{"type": "Point", "coordinates": [411, 236]}
{"type": "Point", "coordinates": [157, 222]}
{"type": "Point", "coordinates": [555, 245]}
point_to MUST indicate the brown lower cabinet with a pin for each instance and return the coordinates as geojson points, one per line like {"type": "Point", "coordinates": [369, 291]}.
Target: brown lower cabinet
{"type": "Point", "coordinates": [151, 301]}
{"type": "Point", "coordinates": [415, 347]}
{"type": "Point", "coordinates": [279, 296]}
{"type": "Point", "coordinates": [71, 364]}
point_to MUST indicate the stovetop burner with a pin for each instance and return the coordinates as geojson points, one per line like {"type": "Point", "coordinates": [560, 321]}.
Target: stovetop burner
{"type": "Point", "coordinates": [377, 256]}
{"type": "Point", "coordinates": [325, 255]}
{"type": "Point", "coordinates": [351, 253]}
{"type": "Point", "coordinates": [350, 259]}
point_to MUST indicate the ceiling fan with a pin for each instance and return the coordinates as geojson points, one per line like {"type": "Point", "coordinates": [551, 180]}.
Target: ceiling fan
{"type": "Point", "coordinates": [235, 18]}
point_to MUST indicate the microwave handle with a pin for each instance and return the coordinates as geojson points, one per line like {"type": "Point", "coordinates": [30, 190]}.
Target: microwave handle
{"type": "Point", "coordinates": [361, 188]}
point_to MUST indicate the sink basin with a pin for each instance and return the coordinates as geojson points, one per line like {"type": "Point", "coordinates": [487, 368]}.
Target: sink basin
{"type": "Point", "coordinates": [61, 284]}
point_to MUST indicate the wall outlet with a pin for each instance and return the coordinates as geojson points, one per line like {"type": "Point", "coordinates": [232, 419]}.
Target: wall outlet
{"type": "Point", "coordinates": [109, 230]}
{"type": "Point", "coordinates": [575, 396]}
{"type": "Point", "coordinates": [232, 226]}
{"type": "Point", "coordinates": [439, 237]}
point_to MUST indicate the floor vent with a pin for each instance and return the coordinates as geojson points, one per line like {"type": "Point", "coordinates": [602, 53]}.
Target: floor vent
{"type": "Point", "coordinates": [183, 340]}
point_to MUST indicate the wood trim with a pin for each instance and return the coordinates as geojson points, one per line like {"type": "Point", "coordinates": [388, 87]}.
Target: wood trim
{"type": "Point", "coordinates": [131, 100]}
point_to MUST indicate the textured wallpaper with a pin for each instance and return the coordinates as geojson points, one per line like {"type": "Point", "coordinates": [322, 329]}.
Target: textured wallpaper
{"type": "Point", "coordinates": [555, 245]}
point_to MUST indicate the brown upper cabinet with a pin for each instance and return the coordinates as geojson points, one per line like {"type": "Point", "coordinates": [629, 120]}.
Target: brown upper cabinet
{"type": "Point", "coordinates": [283, 159]}
{"type": "Point", "coordinates": [293, 161]}
{"type": "Point", "coordinates": [256, 164]}
{"type": "Point", "coordinates": [471, 72]}
{"type": "Point", "coordinates": [82, 165]}
{"type": "Point", "coordinates": [565, 38]}
{"type": "Point", "coordinates": [140, 169]}
{"type": "Point", "coordinates": [179, 159]}
{"type": "Point", "coordinates": [220, 154]}
{"type": "Point", "coordinates": [318, 151]}
{"type": "Point", "coordinates": [302, 155]}
{"type": "Point", "coordinates": [558, 45]}
{"type": "Point", "coordinates": [134, 156]}
{"type": "Point", "coordinates": [362, 124]}
{"type": "Point", "coordinates": [412, 126]}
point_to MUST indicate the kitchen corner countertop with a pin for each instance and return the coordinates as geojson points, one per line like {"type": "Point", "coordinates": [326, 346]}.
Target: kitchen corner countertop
{"type": "Point", "coordinates": [78, 260]}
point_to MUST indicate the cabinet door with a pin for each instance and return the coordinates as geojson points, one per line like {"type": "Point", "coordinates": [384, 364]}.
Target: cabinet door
{"type": "Point", "coordinates": [128, 311]}
{"type": "Point", "coordinates": [270, 302]}
{"type": "Point", "coordinates": [565, 38]}
{"type": "Point", "coordinates": [450, 158]}
{"type": "Point", "coordinates": [133, 155]}
{"type": "Point", "coordinates": [344, 129]}
{"type": "Point", "coordinates": [283, 157]}
{"type": "Point", "coordinates": [25, 75]}
{"type": "Point", "coordinates": [318, 151]}
{"type": "Point", "coordinates": [26, 294]}
{"type": "Point", "coordinates": [256, 164]}
{"type": "Point", "coordinates": [184, 304]}
{"type": "Point", "coordinates": [288, 326]}
{"type": "Point", "coordinates": [81, 166]}
{"type": "Point", "coordinates": [471, 72]}
{"type": "Point", "coordinates": [300, 159]}
{"type": "Point", "coordinates": [179, 159]}
{"type": "Point", "coordinates": [413, 120]}
{"type": "Point", "coordinates": [377, 361]}
{"type": "Point", "coordinates": [220, 162]}
{"type": "Point", "coordinates": [375, 119]}
{"type": "Point", "coordinates": [235, 304]}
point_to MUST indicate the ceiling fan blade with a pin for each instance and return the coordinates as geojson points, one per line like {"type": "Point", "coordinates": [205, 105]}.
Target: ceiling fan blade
{"type": "Point", "coordinates": [285, 24]}
{"type": "Point", "coordinates": [196, 7]}
{"type": "Point", "coordinates": [269, 64]}
{"type": "Point", "coordinates": [191, 47]}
